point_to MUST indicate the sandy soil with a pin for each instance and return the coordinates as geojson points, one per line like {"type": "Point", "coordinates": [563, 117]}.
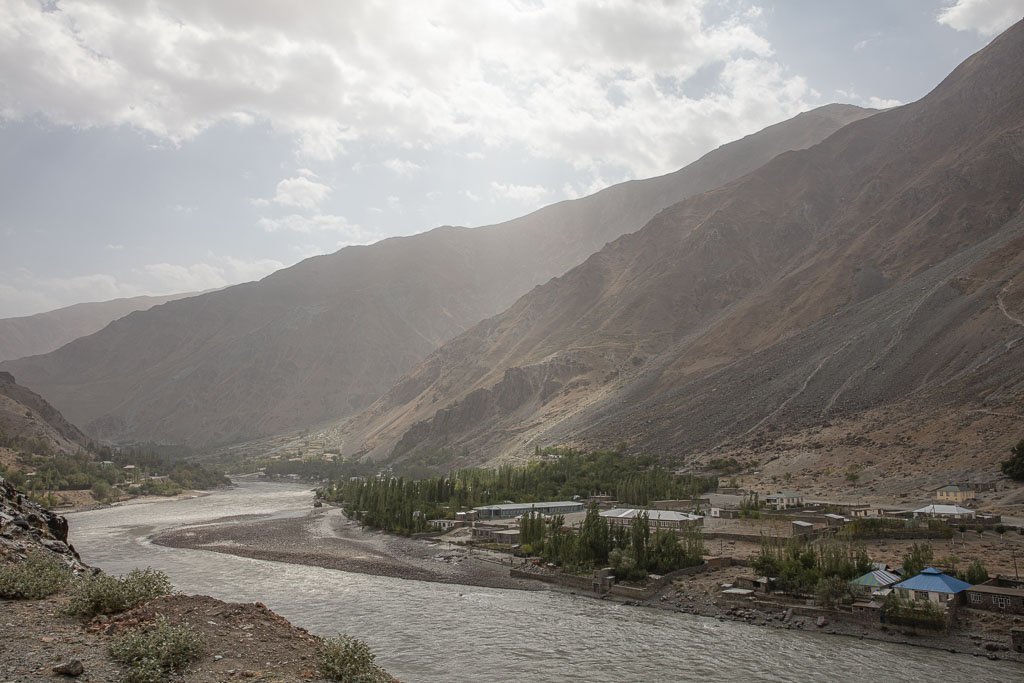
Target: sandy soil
{"type": "Point", "coordinates": [243, 641]}
{"type": "Point", "coordinates": [324, 537]}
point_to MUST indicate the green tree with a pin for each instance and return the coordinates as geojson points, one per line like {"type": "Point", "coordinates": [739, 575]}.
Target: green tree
{"type": "Point", "coordinates": [1014, 467]}
{"type": "Point", "coordinates": [919, 557]}
{"type": "Point", "coordinates": [593, 540]}
{"type": "Point", "coordinates": [976, 573]}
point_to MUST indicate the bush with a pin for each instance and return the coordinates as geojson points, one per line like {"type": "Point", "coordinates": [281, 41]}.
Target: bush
{"type": "Point", "coordinates": [349, 659]}
{"type": "Point", "coordinates": [831, 590]}
{"type": "Point", "coordinates": [103, 594]}
{"type": "Point", "coordinates": [153, 653]}
{"type": "Point", "coordinates": [39, 575]}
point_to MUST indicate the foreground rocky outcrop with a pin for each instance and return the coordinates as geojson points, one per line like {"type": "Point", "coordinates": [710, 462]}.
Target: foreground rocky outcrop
{"type": "Point", "coordinates": [26, 526]}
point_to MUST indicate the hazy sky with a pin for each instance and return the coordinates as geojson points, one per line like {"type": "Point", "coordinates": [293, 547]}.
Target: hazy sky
{"type": "Point", "coordinates": [155, 147]}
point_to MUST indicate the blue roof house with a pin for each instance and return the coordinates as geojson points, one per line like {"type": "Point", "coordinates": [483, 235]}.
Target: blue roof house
{"type": "Point", "coordinates": [931, 585]}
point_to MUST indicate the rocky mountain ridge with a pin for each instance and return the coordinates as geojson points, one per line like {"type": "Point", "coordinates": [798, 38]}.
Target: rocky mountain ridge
{"type": "Point", "coordinates": [32, 335]}
{"type": "Point", "coordinates": [25, 417]}
{"type": "Point", "coordinates": [881, 264]}
{"type": "Point", "coordinates": [326, 337]}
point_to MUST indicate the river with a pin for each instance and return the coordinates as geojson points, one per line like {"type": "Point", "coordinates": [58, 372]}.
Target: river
{"type": "Point", "coordinates": [439, 632]}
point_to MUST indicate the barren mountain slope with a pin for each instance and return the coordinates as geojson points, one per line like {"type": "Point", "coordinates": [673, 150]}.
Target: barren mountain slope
{"type": "Point", "coordinates": [876, 265]}
{"type": "Point", "coordinates": [31, 335]}
{"type": "Point", "coordinates": [326, 337]}
{"type": "Point", "coordinates": [25, 416]}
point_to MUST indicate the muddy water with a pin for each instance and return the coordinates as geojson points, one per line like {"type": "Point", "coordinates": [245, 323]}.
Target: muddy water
{"type": "Point", "coordinates": [438, 632]}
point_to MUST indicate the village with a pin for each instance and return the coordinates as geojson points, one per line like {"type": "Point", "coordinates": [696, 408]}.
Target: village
{"type": "Point", "coordinates": [942, 574]}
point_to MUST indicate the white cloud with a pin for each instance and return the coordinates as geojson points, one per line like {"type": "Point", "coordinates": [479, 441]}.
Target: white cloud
{"type": "Point", "coordinates": [986, 17]}
{"type": "Point", "coordinates": [320, 223]}
{"type": "Point", "coordinates": [594, 83]}
{"type": "Point", "coordinates": [471, 196]}
{"type": "Point", "coordinates": [530, 194]}
{"type": "Point", "coordinates": [299, 192]}
{"type": "Point", "coordinates": [115, 247]}
{"type": "Point", "coordinates": [402, 167]}
{"type": "Point", "coordinates": [882, 102]}
{"type": "Point", "coordinates": [872, 101]}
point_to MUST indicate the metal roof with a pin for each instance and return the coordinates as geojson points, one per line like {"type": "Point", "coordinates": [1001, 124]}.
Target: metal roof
{"type": "Point", "coordinates": [656, 515]}
{"type": "Point", "coordinates": [530, 506]}
{"type": "Point", "coordinates": [997, 590]}
{"type": "Point", "coordinates": [943, 510]}
{"type": "Point", "coordinates": [933, 581]}
{"type": "Point", "coordinates": [879, 578]}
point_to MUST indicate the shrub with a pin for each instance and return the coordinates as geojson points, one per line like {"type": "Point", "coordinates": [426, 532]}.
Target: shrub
{"type": "Point", "coordinates": [349, 659]}
{"type": "Point", "coordinates": [104, 594]}
{"type": "Point", "coordinates": [152, 653]}
{"type": "Point", "coordinates": [831, 590]}
{"type": "Point", "coordinates": [39, 575]}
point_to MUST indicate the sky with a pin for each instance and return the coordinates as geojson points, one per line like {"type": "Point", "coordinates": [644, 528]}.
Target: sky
{"type": "Point", "coordinates": [158, 147]}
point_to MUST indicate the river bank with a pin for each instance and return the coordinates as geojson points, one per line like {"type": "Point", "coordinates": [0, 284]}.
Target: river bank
{"type": "Point", "coordinates": [324, 537]}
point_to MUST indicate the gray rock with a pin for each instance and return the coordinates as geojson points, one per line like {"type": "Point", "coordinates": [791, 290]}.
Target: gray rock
{"type": "Point", "coordinates": [73, 668]}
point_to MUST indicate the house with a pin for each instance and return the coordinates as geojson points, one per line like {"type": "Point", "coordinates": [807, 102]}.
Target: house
{"type": "Point", "coordinates": [656, 519]}
{"type": "Point", "coordinates": [832, 519]}
{"type": "Point", "coordinates": [446, 524]}
{"type": "Point", "coordinates": [724, 513]}
{"type": "Point", "coordinates": [955, 494]}
{"type": "Point", "coordinates": [874, 581]}
{"type": "Point", "coordinates": [931, 585]}
{"type": "Point", "coordinates": [996, 595]}
{"type": "Point", "coordinates": [784, 500]}
{"type": "Point", "coordinates": [944, 512]}
{"type": "Point", "coordinates": [501, 534]}
{"type": "Point", "coordinates": [510, 510]}
{"type": "Point", "coordinates": [799, 528]}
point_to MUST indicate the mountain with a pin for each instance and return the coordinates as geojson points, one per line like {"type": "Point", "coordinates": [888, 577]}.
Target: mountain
{"type": "Point", "coordinates": [326, 337]}
{"type": "Point", "coordinates": [25, 416]}
{"type": "Point", "coordinates": [41, 333]}
{"type": "Point", "coordinates": [882, 268]}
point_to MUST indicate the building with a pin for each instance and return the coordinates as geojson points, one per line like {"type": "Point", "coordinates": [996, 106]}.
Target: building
{"type": "Point", "coordinates": [874, 581]}
{"type": "Point", "coordinates": [724, 513]}
{"type": "Point", "coordinates": [944, 512]}
{"type": "Point", "coordinates": [496, 533]}
{"type": "Point", "coordinates": [672, 520]}
{"type": "Point", "coordinates": [955, 494]}
{"type": "Point", "coordinates": [511, 510]}
{"type": "Point", "coordinates": [799, 528]}
{"type": "Point", "coordinates": [931, 585]}
{"type": "Point", "coordinates": [446, 524]}
{"type": "Point", "coordinates": [784, 500]}
{"type": "Point", "coordinates": [695, 505]}
{"type": "Point", "coordinates": [832, 519]}
{"type": "Point", "coordinates": [996, 595]}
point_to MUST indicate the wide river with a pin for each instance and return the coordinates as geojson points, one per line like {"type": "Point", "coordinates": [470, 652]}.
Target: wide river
{"type": "Point", "coordinates": [438, 632]}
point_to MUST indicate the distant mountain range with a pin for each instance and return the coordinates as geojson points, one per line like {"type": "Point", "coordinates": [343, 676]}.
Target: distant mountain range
{"type": "Point", "coordinates": [327, 337]}
{"type": "Point", "coordinates": [882, 267]}
{"type": "Point", "coordinates": [44, 332]}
